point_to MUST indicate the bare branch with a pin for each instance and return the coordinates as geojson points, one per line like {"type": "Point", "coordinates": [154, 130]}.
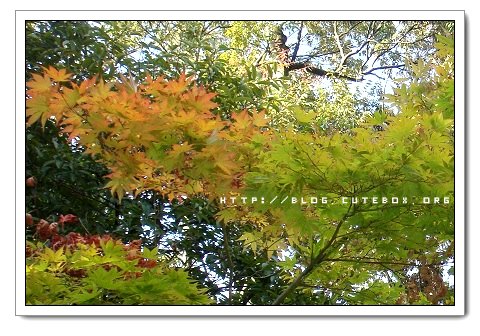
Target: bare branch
{"type": "Point", "coordinates": [380, 262]}
{"type": "Point", "coordinates": [395, 66]}
{"type": "Point", "coordinates": [383, 51]}
{"type": "Point", "coordinates": [226, 246]}
{"type": "Point", "coordinates": [320, 72]}
{"type": "Point", "coordinates": [339, 45]}
{"type": "Point", "coordinates": [297, 46]}
{"type": "Point", "coordinates": [354, 52]}
{"type": "Point", "coordinates": [262, 56]}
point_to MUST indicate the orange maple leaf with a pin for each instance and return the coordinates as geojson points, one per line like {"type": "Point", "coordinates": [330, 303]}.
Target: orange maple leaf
{"type": "Point", "coordinates": [199, 99]}
{"type": "Point", "coordinates": [178, 86]}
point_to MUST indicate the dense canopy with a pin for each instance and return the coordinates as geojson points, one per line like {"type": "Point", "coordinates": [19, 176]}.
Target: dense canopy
{"type": "Point", "coordinates": [239, 162]}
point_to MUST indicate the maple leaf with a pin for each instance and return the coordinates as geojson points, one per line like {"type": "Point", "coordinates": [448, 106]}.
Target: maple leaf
{"type": "Point", "coordinates": [37, 107]}
{"type": "Point", "coordinates": [186, 117]}
{"type": "Point", "coordinates": [102, 90]}
{"type": "Point", "coordinates": [177, 86]}
{"type": "Point", "coordinates": [70, 97]}
{"type": "Point", "coordinates": [178, 150]}
{"type": "Point", "coordinates": [99, 123]}
{"type": "Point", "coordinates": [226, 164]}
{"type": "Point", "coordinates": [69, 218]}
{"type": "Point", "coordinates": [152, 87]}
{"type": "Point", "coordinates": [116, 124]}
{"type": "Point", "coordinates": [224, 159]}
{"type": "Point", "coordinates": [176, 156]}
{"type": "Point", "coordinates": [86, 85]}
{"type": "Point", "coordinates": [199, 99]}
{"type": "Point", "coordinates": [39, 84]}
{"type": "Point", "coordinates": [227, 215]}
{"type": "Point", "coordinates": [242, 120]}
{"type": "Point", "coordinates": [57, 75]}
{"type": "Point", "coordinates": [129, 84]}
{"type": "Point", "coordinates": [259, 119]}
{"type": "Point", "coordinates": [194, 187]}
{"type": "Point", "coordinates": [206, 127]}
{"type": "Point", "coordinates": [62, 102]}
{"type": "Point", "coordinates": [72, 125]}
{"type": "Point", "coordinates": [119, 186]}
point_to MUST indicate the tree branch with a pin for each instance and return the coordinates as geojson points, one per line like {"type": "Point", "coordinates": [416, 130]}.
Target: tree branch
{"type": "Point", "coordinates": [324, 73]}
{"type": "Point", "coordinates": [354, 52]}
{"type": "Point", "coordinates": [297, 46]}
{"type": "Point", "coordinates": [261, 58]}
{"type": "Point", "coordinates": [230, 262]}
{"type": "Point", "coordinates": [294, 284]}
{"type": "Point", "coordinates": [320, 72]}
{"type": "Point", "coordinates": [337, 40]}
{"type": "Point", "coordinates": [380, 262]}
{"type": "Point", "coordinates": [316, 261]}
{"type": "Point", "coordinates": [392, 46]}
{"type": "Point", "coordinates": [370, 71]}
{"type": "Point", "coordinates": [352, 28]}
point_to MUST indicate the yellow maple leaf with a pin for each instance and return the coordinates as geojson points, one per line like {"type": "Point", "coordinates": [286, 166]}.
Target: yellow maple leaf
{"type": "Point", "coordinates": [37, 107]}
{"type": "Point", "coordinates": [259, 119]}
{"type": "Point", "coordinates": [57, 75]}
{"type": "Point", "coordinates": [242, 120]}
{"type": "Point", "coordinates": [225, 160]}
{"type": "Point", "coordinates": [178, 150]}
{"type": "Point", "coordinates": [39, 84]}
{"type": "Point", "coordinates": [186, 117]}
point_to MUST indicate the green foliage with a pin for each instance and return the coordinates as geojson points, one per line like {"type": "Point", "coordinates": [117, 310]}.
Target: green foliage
{"type": "Point", "coordinates": [327, 142]}
{"type": "Point", "coordinates": [411, 156]}
{"type": "Point", "coordinates": [431, 88]}
{"type": "Point", "coordinates": [106, 275]}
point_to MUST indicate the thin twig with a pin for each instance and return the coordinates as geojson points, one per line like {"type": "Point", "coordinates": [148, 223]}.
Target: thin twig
{"type": "Point", "coordinates": [230, 262]}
